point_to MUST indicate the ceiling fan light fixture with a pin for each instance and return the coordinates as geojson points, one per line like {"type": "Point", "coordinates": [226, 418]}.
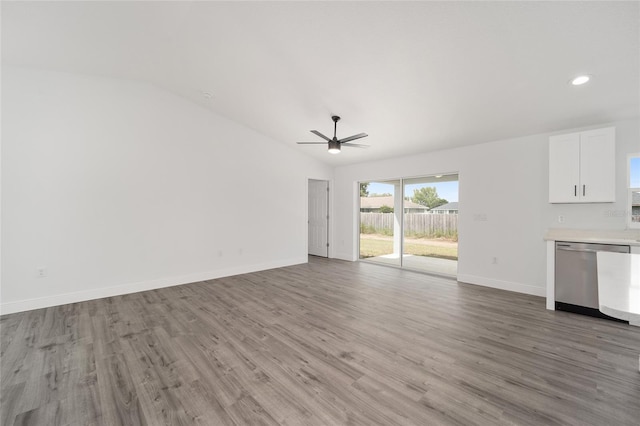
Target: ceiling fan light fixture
{"type": "Point", "coordinates": [334, 147]}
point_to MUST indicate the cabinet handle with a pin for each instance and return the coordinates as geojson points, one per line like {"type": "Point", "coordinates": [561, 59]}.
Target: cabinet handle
{"type": "Point", "coordinates": [584, 188]}
{"type": "Point", "coordinates": [575, 190]}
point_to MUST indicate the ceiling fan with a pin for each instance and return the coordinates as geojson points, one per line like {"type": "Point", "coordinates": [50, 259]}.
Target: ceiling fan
{"type": "Point", "coordinates": [335, 143]}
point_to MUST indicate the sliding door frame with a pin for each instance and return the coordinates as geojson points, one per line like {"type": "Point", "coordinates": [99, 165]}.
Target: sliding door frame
{"type": "Point", "coordinates": [402, 220]}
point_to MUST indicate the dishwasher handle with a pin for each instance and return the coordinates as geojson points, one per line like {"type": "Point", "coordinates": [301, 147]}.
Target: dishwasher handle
{"type": "Point", "coordinates": [568, 248]}
{"type": "Point", "coordinates": [591, 248]}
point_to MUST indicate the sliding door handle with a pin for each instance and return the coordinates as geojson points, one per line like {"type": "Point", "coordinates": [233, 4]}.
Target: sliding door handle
{"type": "Point", "coordinates": [575, 190]}
{"type": "Point", "coordinates": [584, 190]}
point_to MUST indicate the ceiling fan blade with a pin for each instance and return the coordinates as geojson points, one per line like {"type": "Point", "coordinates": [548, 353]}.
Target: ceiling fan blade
{"type": "Point", "coordinates": [311, 143]}
{"type": "Point", "coordinates": [354, 137]}
{"type": "Point", "coordinates": [315, 132]}
{"type": "Point", "coordinates": [355, 145]}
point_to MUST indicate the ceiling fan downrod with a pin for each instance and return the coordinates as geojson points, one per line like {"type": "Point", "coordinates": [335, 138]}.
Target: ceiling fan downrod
{"type": "Point", "coordinates": [335, 119]}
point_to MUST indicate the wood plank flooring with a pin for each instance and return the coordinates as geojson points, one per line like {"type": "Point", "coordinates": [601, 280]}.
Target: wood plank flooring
{"type": "Point", "coordinates": [325, 343]}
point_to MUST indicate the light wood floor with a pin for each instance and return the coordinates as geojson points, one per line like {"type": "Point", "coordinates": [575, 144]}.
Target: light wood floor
{"type": "Point", "coordinates": [326, 343]}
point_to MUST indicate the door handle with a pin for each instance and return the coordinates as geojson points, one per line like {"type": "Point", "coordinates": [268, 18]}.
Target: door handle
{"type": "Point", "coordinates": [575, 190]}
{"type": "Point", "coordinates": [584, 190]}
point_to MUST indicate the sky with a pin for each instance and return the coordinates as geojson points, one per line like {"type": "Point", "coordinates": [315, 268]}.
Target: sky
{"type": "Point", "coordinates": [635, 172]}
{"type": "Point", "coordinates": [446, 190]}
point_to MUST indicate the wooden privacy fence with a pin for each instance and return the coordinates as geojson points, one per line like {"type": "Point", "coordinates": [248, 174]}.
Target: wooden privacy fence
{"type": "Point", "coordinates": [414, 223]}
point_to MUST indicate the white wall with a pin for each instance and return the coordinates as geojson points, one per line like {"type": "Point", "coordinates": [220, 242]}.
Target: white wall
{"type": "Point", "coordinates": [505, 182]}
{"type": "Point", "coordinates": [116, 186]}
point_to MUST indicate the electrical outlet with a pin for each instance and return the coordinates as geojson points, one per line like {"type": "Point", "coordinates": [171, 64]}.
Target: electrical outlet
{"type": "Point", "coordinates": [41, 272]}
{"type": "Point", "coordinates": [560, 219]}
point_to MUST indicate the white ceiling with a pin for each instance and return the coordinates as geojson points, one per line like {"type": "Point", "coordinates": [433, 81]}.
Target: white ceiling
{"type": "Point", "coordinates": [416, 76]}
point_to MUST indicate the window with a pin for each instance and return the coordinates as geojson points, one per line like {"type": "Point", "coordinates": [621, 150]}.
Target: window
{"type": "Point", "coordinates": [633, 181]}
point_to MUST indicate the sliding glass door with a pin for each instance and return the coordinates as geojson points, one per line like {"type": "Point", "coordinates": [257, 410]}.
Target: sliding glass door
{"type": "Point", "coordinates": [412, 223]}
{"type": "Point", "coordinates": [431, 224]}
{"type": "Point", "coordinates": [380, 221]}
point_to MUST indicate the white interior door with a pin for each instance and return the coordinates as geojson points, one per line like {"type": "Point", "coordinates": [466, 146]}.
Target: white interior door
{"type": "Point", "coordinates": [318, 217]}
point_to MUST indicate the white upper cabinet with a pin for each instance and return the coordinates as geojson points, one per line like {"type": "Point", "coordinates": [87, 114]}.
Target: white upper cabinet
{"type": "Point", "coordinates": [598, 165]}
{"type": "Point", "coordinates": [582, 167]}
{"type": "Point", "coordinates": [564, 168]}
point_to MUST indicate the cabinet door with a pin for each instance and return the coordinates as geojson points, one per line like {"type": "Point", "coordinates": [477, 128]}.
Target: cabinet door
{"type": "Point", "coordinates": [564, 168]}
{"type": "Point", "coordinates": [597, 165]}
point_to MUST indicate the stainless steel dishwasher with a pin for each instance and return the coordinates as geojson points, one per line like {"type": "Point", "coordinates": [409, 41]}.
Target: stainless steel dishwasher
{"type": "Point", "coordinates": [576, 276]}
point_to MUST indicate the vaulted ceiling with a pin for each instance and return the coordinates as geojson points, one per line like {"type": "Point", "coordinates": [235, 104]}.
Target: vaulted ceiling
{"type": "Point", "coordinates": [416, 76]}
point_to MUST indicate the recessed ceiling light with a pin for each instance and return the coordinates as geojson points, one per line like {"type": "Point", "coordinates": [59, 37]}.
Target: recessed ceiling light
{"type": "Point", "coordinates": [438, 176]}
{"type": "Point", "coordinates": [580, 80]}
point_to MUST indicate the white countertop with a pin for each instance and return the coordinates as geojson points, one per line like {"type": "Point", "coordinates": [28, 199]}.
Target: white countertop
{"type": "Point", "coordinates": [619, 285]}
{"type": "Point", "coordinates": [624, 237]}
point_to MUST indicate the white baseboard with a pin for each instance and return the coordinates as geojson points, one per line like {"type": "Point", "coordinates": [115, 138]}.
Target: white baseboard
{"type": "Point", "coordinates": [503, 285]}
{"type": "Point", "coordinates": [344, 256]}
{"type": "Point", "coordinates": [98, 293]}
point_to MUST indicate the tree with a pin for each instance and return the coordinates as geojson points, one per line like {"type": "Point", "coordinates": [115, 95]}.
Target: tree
{"type": "Point", "coordinates": [386, 209]}
{"type": "Point", "coordinates": [428, 196]}
{"type": "Point", "coordinates": [364, 189]}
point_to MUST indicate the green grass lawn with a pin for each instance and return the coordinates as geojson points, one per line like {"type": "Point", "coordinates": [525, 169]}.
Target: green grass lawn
{"type": "Point", "coordinates": [372, 248]}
